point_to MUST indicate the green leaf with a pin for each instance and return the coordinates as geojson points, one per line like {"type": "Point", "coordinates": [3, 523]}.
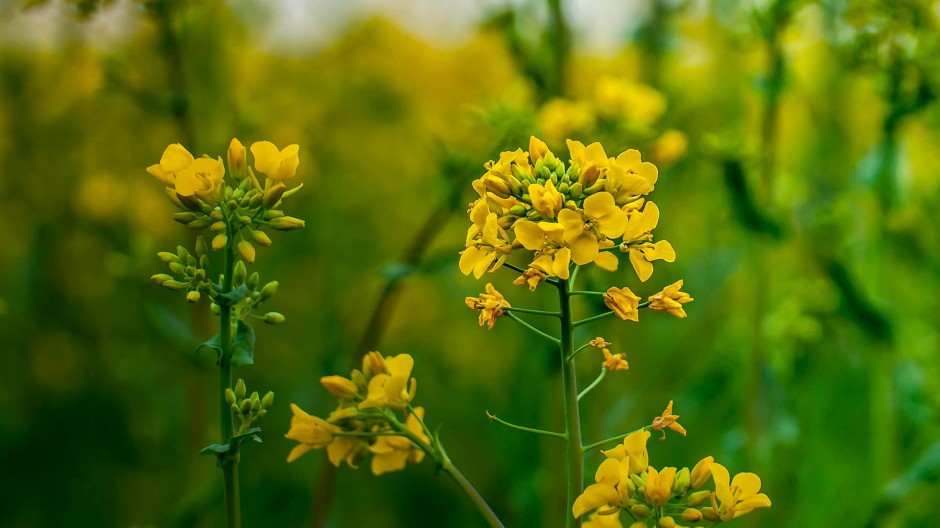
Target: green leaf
{"type": "Point", "coordinates": [213, 342]}
{"type": "Point", "coordinates": [243, 346]}
{"type": "Point", "coordinates": [231, 298]}
{"type": "Point", "coordinates": [215, 449]}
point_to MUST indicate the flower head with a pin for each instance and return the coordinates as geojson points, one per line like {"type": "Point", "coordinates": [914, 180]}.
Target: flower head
{"type": "Point", "coordinates": [492, 306]}
{"type": "Point", "coordinates": [670, 299]}
{"type": "Point", "coordinates": [277, 165]}
{"type": "Point", "coordinates": [310, 431]}
{"type": "Point", "coordinates": [667, 419]}
{"type": "Point", "coordinates": [739, 496]}
{"type": "Point", "coordinates": [659, 485]}
{"type": "Point", "coordinates": [394, 389]}
{"type": "Point", "coordinates": [633, 449]}
{"type": "Point", "coordinates": [614, 361]}
{"type": "Point", "coordinates": [623, 302]}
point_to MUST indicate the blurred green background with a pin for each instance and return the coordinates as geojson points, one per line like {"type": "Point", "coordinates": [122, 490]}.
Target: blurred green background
{"type": "Point", "coordinates": [803, 212]}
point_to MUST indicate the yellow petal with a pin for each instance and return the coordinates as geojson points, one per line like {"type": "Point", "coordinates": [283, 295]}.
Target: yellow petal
{"type": "Point", "coordinates": [594, 496]}
{"type": "Point", "coordinates": [607, 260]}
{"type": "Point", "coordinates": [297, 451]}
{"type": "Point", "coordinates": [175, 158]}
{"type": "Point", "coordinates": [584, 249]}
{"type": "Point", "coordinates": [643, 268]}
{"type": "Point", "coordinates": [267, 157]}
{"type": "Point", "coordinates": [561, 263]}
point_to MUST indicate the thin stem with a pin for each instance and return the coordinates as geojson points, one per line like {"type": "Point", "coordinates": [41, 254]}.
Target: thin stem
{"type": "Point", "coordinates": [579, 349]}
{"type": "Point", "coordinates": [593, 384]}
{"type": "Point", "coordinates": [592, 318]}
{"type": "Point", "coordinates": [585, 293]}
{"type": "Point", "coordinates": [533, 312]}
{"type": "Point", "coordinates": [574, 276]}
{"type": "Point", "coordinates": [472, 493]}
{"type": "Point", "coordinates": [494, 418]}
{"type": "Point", "coordinates": [228, 461]}
{"type": "Point", "coordinates": [574, 455]}
{"type": "Point", "coordinates": [516, 318]}
{"type": "Point", "coordinates": [595, 445]}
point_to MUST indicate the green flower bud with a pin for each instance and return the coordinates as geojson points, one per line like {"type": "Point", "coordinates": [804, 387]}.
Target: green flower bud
{"type": "Point", "coordinates": [236, 410]}
{"type": "Point", "coordinates": [215, 309]}
{"type": "Point", "coordinates": [230, 396]}
{"type": "Point", "coordinates": [262, 413]}
{"type": "Point", "coordinates": [691, 515]}
{"type": "Point", "coordinates": [184, 218]}
{"type": "Point", "coordinates": [667, 522]}
{"type": "Point", "coordinates": [201, 247]}
{"type": "Point", "coordinates": [268, 399]}
{"type": "Point", "coordinates": [681, 484]}
{"type": "Point", "coordinates": [175, 285]}
{"type": "Point", "coordinates": [286, 223]}
{"type": "Point", "coordinates": [269, 290]}
{"type": "Point", "coordinates": [238, 277]}
{"type": "Point", "coordinates": [240, 388]}
{"type": "Point", "coordinates": [261, 238]}
{"type": "Point", "coordinates": [271, 214]}
{"type": "Point", "coordinates": [255, 198]}
{"type": "Point", "coordinates": [244, 219]}
{"type": "Point", "coordinates": [273, 318]}
{"type": "Point", "coordinates": [199, 223]}
{"type": "Point", "coordinates": [563, 188]}
{"type": "Point", "coordinates": [215, 215]}
{"type": "Point", "coordinates": [245, 406]}
{"type": "Point", "coordinates": [575, 190]}
{"type": "Point", "coordinates": [699, 497]}
{"type": "Point", "coordinates": [273, 195]}
{"type": "Point", "coordinates": [218, 226]}
{"type": "Point", "coordinates": [253, 280]}
{"type": "Point", "coordinates": [167, 257]}
{"type": "Point", "coordinates": [160, 278]}
{"type": "Point", "coordinates": [517, 210]}
{"type": "Point", "coordinates": [640, 510]}
{"type": "Point", "coordinates": [193, 296]}
{"type": "Point", "coordinates": [177, 268]}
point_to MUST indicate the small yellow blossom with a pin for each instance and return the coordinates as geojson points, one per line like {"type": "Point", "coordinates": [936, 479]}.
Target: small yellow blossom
{"type": "Point", "coordinates": [310, 431]}
{"type": "Point", "coordinates": [658, 487]}
{"type": "Point", "coordinates": [701, 472]}
{"type": "Point", "coordinates": [600, 219]}
{"type": "Point", "coordinates": [610, 491]}
{"type": "Point", "coordinates": [599, 342]}
{"type": "Point", "coordinates": [637, 241]}
{"type": "Point", "coordinates": [340, 387]}
{"type": "Point", "coordinates": [487, 243]}
{"type": "Point", "coordinates": [629, 177]}
{"type": "Point", "coordinates": [391, 453]}
{"type": "Point", "coordinates": [623, 302]}
{"type": "Point", "coordinates": [670, 300]}
{"type": "Point", "coordinates": [277, 165]}
{"type": "Point", "coordinates": [560, 118]}
{"type": "Point", "coordinates": [546, 199]}
{"type": "Point", "coordinates": [633, 449]}
{"type": "Point", "coordinates": [531, 276]}
{"type": "Point", "coordinates": [175, 158]}
{"type": "Point", "coordinates": [614, 361]}
{"type": "Point", "coordinates": [492, 306]}
{"type": "Point", "coordinates": [740, 496]}
{"type": "Point", "coordinates": [396, 388]}
{"type": "Point", "coordinates": [537, 148]}
{"type": "Point", "coordinates": [547, 240]}
{"type": "Point", "coordinates": [667, 419]}
{"type": "Point", "coordinates": [636, 103]}
{"type": "Point", "coordinates": [669, 147]}
{"type": "Point", "coordinates": [203, 179]}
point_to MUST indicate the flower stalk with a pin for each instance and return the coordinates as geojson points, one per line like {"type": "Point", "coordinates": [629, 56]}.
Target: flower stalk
{"type": "Point", "coordinates": [574, 454]}
{"type": "Point", "coordinates": [228, 461]}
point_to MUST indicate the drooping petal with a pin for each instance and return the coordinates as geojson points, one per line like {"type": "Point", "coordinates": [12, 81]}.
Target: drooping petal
{"type": "Point", "coordinates": [594, 496]}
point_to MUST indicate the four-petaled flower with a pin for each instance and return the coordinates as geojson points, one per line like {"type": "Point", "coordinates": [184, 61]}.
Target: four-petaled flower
{"type": "Point", "coordinates": [667, 419]}
{"type": "Point", "coordinates": [492, 306]}
{"type": "Point", "coordinates": [310, 431]}
{"type": "Point", "coordinates": [623, 302]}
{"type": "Point", "coordinates": [277, 165]}
{"type": "Point", "coordinates": [670, 299]}
{"type": "Point", "coordinates": [737, 497]}
{"type": "Point", "coordinates": [394, 389]}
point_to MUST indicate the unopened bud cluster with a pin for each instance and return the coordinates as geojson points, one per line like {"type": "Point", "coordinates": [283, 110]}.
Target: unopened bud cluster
{"type": "Point", "coordinates": [247, 409]}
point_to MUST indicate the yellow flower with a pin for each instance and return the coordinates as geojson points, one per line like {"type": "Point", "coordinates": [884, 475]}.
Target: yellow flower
{"type": "Point", "coordinates": [600, 219]}
{"type": "Point", "coordinates": [394, 389]}
{"type": "Point", "coordinates": [669, 147]}
{"type": "Point", "coordinates": [560, 118]}
{"type": "Point", "coordinates": [547, 240]}
{"type": "Point", "coordinates": [345, 449]}
{"type": "Point", "coordinates": [659, 485]}
{"type": "Point", "coordinates": [623, 302]}
{"type": "Point", "coordinates": [491, 304]}
{"type": "Point", "coordinates": [175, 158]}
{"type": "Point", "coordinates": [340, 387]}
{"type": "Point", "coordinates": [610, 491]}
{"type": "Point", "coordinates": [667, 419]}
{"type": "Point", "coordinates": [531, 276]}
{"type": "Point", "coordinates": [614, 361]}
{"type": "Point", "coordinates": [670, 300]}
{"type": "Point", "coordinates": [629, 177]}
{"type": "Point", "coordinates": [701, 472]}
{"type": "Point", "coordinates": [537, 148]}
{"type": "Point", "coordinates": [637, 103]}
{"type": "Point", "coordinates": [487, 243]}
{"type": "Point", "coordinates": [633, 449]}
{"type": "Point", "coordinates": [591, 160]}
{"type": "Point", "coordinates": [203, 179]}
{"type": "Point", "coordinates": [236, 159]}
{"type": "Point", "coordinates": [310, 431]}
{"type": "Point", "coordinates": [740, 496]}
{"type": "Point", "coordinates": [636, 241]}
{"type": "Point", "coordinates": [597, 520]}
{"type": "Point", "coordinates": [599, 342]}
{"type": "Point", "coordinates": [546, 199]}
{"type": "Point", "coordinates": [391, 453]}
{"type": "Point", "coordinates": [277, 165]}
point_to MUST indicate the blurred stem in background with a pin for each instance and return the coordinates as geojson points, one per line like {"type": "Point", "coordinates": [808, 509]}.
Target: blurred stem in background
{"type": "Point", "coordinates": [228, 461]}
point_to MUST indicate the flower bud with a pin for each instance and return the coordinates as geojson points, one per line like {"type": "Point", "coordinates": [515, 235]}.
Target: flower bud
{"type": "Point", "coordinates": [261, 238]}
{"type": "Point", "coordinates": [273, 195]}
{"type": "Point", "coordinates": [240, 389]}
{"type": "Point", "coordinates": [681, 484]}
{"type": "Point", "coordinates": [175, 285]}
{"type": "Point", "coordinates": [286, 223]}
{"type": "Point", "coordinates": [255, 198]}
{"type": "Point", "coordinates": [219, 242]}
{"type": "Point", "coordinates": [271, 214]}
{"type": "Point", "coordinates": [245, 406]}
{"type": "Point", "coordinates": [218, 226]}
{"type": "Point", "coordinates": [709, 514]}
{"type": "Point", "coordinates": [273, 318]}
{"type": "Point", "coordinates": [239, 274]}
{"type": "Point", "coordinates": [701, 472]}
{"type": "Point", "coordinates": [268, 399]}
{"type": "Point", "coordinates": [269, 290]}
{"type": "Point", "coordinates": [193, 296]}
{"type": "Point", "coordinates": [253, 280]}
{"type": "Point", "coordinates": [699, 497]}
{"type": "Point", "coordinates": [167, 257]}
{"type": "Point", "coordinates": [640, 510]}
{"type": "Point", "coordinates": [177, 268]}
{"type": "Point", "coordinates": [244, 219]}
{"type": "Point", "coordinates": [160, 278]}
{"type": "Point", "coordinates": [340, 387]}
{"type": "Point", "coordinates": [517, 210]}
{"type": "Point", "coordinates": [262, 413]}
{"type": "Point", "coordinates": [184, 218]}
{"type": "Point", "coordinates": [229, 396]}
{"type": "Point", "coordinates": [667, 522]}
{"type": "Point", "coordinates": [215, 215]}
{"type": "Point", "coordinates": [691, 515]}
{"type": "Point", "coordinates": [214, 308]}
{"type": "Point", "coordinates": [199, 223]}
{"type": "Point", "coordinates": [236, 159]}
{"type": "Point", "coordinates": [201, 248]}
{"type": "Point", "coordinates": [247, 251]}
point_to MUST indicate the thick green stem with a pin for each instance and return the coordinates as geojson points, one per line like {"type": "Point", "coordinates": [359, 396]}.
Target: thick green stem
{"type": "Point", "coordinates": [228, 461]}
{"type": "Point", "coordinates": [574, 455]}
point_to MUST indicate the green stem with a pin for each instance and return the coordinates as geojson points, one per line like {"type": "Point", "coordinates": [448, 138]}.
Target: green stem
{"type": "Point", "coordinates": [585, 293]}
{"type": "Point", "coordinates": [471, 492]}
{"type": "Point", "coordinates": [535, 330]}
{"type": "Point", "coordinates": [494, 418]}
{"type": "Point", "coordinates": [228, 461]}
{"type": "Point", "coordinates": [533, 312]}
{"type": "Point", "coordinates": [574, 455]}
{"type": "Point", "coordinates": [579, 349]}
{"type": "Point", "coordinates": [593, 384]}
{"type": "Point", "coordinates": [589, 319]}
{"type": "Point", "coordinates": [595, 445]}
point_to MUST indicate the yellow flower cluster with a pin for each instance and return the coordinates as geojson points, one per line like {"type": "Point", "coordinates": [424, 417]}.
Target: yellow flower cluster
{"type": "Point", "coordinates": [365, 420]}
{"type": "Point", "coordinates": [664, 497]}
{"type": "Point", "coordinates": [576, 213]}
